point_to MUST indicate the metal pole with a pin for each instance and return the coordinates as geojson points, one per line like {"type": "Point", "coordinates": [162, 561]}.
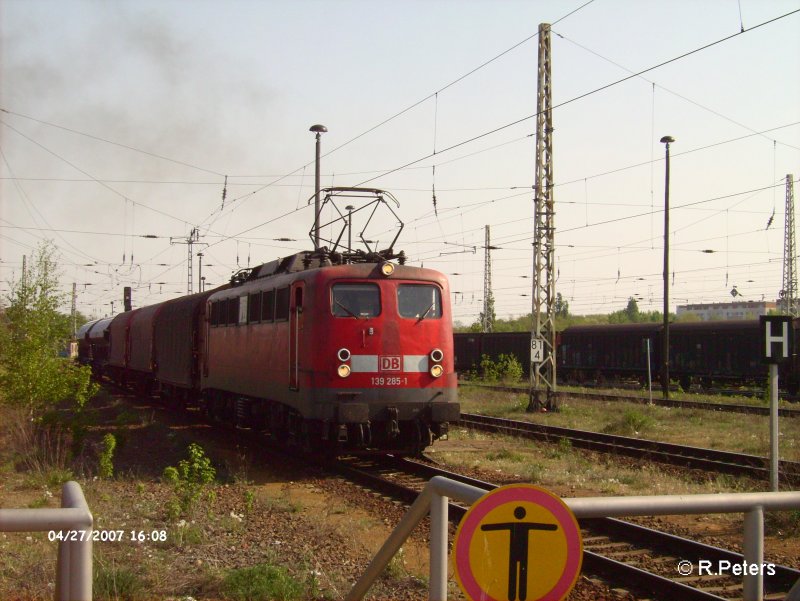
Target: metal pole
{"type": "Point", "coordinates": [665, 340]}
{"type": "Point", "coordinates": [319, 130]}
{"type": "Point", "coordinates": [74, 311]}
{"type": "Point", "coordinates": [74, 567]}
{"type": "Point", "coordinates": [438, 549]}
{"type": "Point", "coordinates": [350, 228]}
{"type": "Point", "coordinates": [200, 271]}
{"type": "Point", "coordinates": [418, 510]}
{"type": "Point", "coordinates": [649, 376]}
{"type": "Point", "coordinates": [753, 552]}
{"type": "Point", "coordinates": [773, 427]}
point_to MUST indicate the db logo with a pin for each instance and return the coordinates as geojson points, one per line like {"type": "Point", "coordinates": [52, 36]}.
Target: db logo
{"type": "Point", "coordinates": [390, 363]}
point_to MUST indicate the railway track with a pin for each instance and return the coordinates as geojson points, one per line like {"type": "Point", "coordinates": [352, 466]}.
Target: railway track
{"type": "Point", "coordinates": [637, 558]}
{"type": "Point", "coordinates": [640, 559]}
{"type": "Point", "coordinates": [738, 464]}
{"type": "Point", "coordinates": [705, 405]}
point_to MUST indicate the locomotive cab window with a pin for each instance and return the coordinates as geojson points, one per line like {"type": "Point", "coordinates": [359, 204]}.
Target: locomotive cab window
{"type": "Point", "coordinates": [356, 300]}
{"type": "Point", "coordinates": [420, 301]}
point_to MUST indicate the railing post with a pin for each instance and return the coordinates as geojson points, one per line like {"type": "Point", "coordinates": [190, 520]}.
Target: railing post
{"type": "Point", "coordinates": [74, 567]}
{"type": "Point", "coordinates": [418, 510]}
{"type": "Point", "coordinates": [438, 553]}
{"type": "Point", "coordinates": [753, 551]}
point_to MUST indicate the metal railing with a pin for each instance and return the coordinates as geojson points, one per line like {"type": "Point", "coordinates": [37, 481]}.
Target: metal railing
{"type": "Point", "coordinates": [75, 522]}
{"type": "Point", "coordinates": [434, 499]}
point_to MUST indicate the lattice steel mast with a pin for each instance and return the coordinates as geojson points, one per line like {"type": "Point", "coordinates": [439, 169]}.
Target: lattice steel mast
{"type": "Point", "coordinates": [487, 319]}
{"type": "Point", "coordinates": [194, 237]}
{"type": "Point", "coordinates": [543, 333]}
{"type": "Point", "coordinates": [788, 292]}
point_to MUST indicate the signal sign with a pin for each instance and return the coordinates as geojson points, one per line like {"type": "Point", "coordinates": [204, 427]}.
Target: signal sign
{"type": "Point", "coordinates": [537, 350]}
{"type": "Point", "coordinates": [518, 542]}
{"type": "Point", "coordinates": [776, 338]}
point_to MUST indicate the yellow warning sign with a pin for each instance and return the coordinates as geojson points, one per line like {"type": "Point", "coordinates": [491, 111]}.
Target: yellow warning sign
{"type": "Point", "coordinates": [518, 543]}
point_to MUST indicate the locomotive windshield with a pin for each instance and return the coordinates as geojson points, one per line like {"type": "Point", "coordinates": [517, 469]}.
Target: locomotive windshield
{"type": "Point", "coordinates": [356, 300]}
{"type": "Point", "coordinates": [419, 300]}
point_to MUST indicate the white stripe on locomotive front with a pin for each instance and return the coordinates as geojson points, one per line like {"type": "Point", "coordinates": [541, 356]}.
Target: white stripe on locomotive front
{"type": "Point", "coordinates": [370, 363]}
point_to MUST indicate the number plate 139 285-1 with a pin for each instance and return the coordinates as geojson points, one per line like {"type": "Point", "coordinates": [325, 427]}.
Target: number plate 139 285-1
{"type": "Point", "coordinates": [388, 381]}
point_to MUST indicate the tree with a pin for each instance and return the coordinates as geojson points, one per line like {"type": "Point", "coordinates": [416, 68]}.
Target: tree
{"type": "Point", "coordinates": [562, 307]}
{"type": "Point", "coordinates": [33, 374]}
{"type": "Point", "coordinates": [632, 310]}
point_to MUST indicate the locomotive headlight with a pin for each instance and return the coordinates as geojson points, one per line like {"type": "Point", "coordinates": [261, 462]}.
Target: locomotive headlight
{"type": "Point", "coordinates": [387, 269]}
{"type": "Point", "coordinates": [343, 371]}
{"type": "Point", "coordinates": [437, 355]}
{"type": "Point", "coordinates": [343, 354]}
{"type": "Point", "coordinates": [437, 370]}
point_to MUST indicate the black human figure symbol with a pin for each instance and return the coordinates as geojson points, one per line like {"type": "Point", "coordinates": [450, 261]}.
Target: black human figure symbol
{"type": "Point", "coordinates": [518, 552]}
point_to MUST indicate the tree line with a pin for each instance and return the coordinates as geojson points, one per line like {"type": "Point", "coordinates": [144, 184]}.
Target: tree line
{"type": "Point", "coordinates": [565, 319]}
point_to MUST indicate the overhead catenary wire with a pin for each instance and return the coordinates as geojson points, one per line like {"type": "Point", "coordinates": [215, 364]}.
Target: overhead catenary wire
{"type": "Point", "coordinates": [581, 96]}
{"type": "Point", "coordinates": [228, 237]}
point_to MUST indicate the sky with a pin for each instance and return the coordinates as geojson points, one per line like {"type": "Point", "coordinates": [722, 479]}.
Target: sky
{"type": "Point", "coordinates": [120, 122]}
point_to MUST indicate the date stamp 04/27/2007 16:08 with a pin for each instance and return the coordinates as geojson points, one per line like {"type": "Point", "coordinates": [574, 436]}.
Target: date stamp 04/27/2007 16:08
{"type": "Point", "coordinates": [131, 536]}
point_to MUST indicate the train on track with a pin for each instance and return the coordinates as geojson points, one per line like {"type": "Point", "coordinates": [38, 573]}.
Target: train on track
{"type": "Point", "coordinates": [337, 352]}
{"type": "Point", "coordinates": [706, 354]}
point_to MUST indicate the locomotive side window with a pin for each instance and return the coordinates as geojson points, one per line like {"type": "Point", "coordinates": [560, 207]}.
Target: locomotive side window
{"type": "Point", "coordinates": [254, 308]}
{"type": "Point", "coordinates": [268, 306]}
{"type": "Point", "coordinates": [215, 313]}
{"type": "Point", "coordinates": [242, 310]}
{"type": "Point", "coordinates": [356, 300]}
{"type": "Point", "coordinates": [233, 311]}
{"type": "Point", "coordinates": [282, 304]}
{"type": "Point", "coordinates": [420, 301]}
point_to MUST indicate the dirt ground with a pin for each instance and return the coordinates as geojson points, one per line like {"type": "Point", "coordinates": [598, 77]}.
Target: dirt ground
{"type": "Point", "coordinates": [262, 509]}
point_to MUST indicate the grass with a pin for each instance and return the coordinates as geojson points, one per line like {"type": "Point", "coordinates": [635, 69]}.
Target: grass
{"type": "Point", "coordinates": [116, 583]}
{"type": "Point", "coordinates": [571, 472]}
{"type": "Point", "coordinates": [694, 427]}
{"type": "Point", "coordinates": [265, 581]}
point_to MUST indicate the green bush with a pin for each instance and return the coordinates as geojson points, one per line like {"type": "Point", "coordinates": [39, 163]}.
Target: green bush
{"type": "Point", "coordinates": [189, 479]}
{"type": "Point", "coordinates": [632, 423]}
{"type": "Point", "coordinates": [505, 368]}
{"type": "Point", "coordinates": [107, 456]}
{"type": "Point", "coordinates": [33, 333]}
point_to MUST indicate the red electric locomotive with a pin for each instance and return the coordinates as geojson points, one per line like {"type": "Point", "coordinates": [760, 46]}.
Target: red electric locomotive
{"type": "Point", "coordinates": [356, 356]}
{"type": "Point", "coordinates": [341, 351]}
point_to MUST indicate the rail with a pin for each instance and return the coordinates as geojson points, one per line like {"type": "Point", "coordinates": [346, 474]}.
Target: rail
{"type": "Point", "coordinates": [74, 565]}
{"type": "Point", "coordinates": [434, 500]}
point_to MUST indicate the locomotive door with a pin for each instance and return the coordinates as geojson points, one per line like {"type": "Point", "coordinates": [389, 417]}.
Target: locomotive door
{"type": "Point", "coordinates": [295, 327]}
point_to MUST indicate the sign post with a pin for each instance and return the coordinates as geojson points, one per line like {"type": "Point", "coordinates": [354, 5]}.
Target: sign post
{"type": "Point", "coordinates": [777, 347]}
{"type": "Point", "coordinates": [519, 542]}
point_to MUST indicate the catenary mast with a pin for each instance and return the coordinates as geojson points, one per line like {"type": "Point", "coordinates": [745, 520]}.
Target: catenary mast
{"type": "Point", "coordinates": [543, 332]}
{"type": "Point", "coordinates": [487, 321]}
{"type": "Point", "coordinates": [789, 289]}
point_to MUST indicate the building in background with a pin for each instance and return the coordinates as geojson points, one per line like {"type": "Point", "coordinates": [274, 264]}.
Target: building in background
{"type": "Point", "coordinates": [724, 311]}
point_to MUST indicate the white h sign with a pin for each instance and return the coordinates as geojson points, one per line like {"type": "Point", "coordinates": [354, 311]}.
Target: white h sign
{"type": "Point", "coordinates": [776, 338]}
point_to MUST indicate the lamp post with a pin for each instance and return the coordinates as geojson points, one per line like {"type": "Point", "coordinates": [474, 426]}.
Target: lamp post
{"type": "Point", "coordinates": [666, 140]}
{"type": "Point", "coordinates": [200, 270]}
{"type": "Point", "coordinates": [349, 209]}
{"type": "Point", "coordinates": [319, 130]}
